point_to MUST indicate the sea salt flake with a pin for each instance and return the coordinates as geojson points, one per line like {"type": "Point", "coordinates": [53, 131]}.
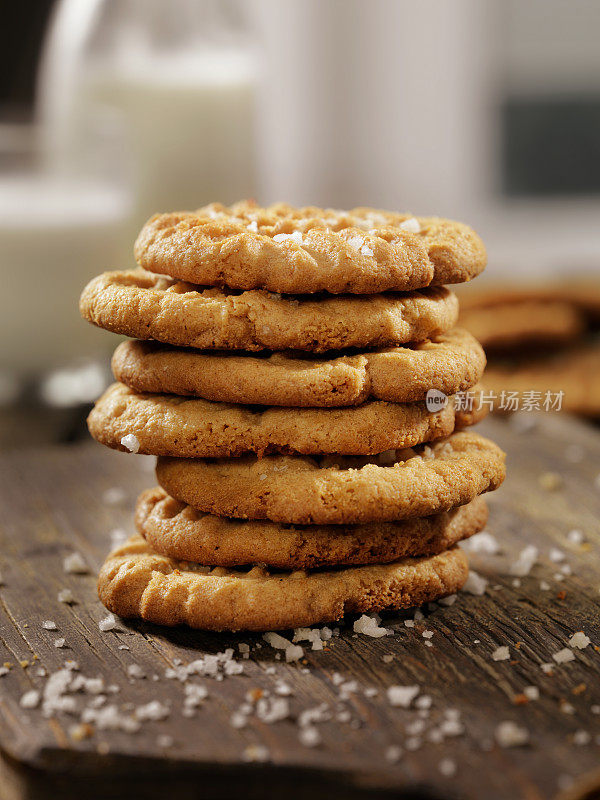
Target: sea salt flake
{"type": "Point", "coordinates": [296, 237]}
{"type": "Point", "coordinates": [448, 601]}
{"type": "Point", "coordinates": [110, 718]}
{"type": "Point", "coordinates": [356, 242]}
{"type": "Point", "coordinates": [576, 537]}
{"type": "Point", "coordinates": [131, 443]}
{"type": "Point", "coordinates": [452, 727]}
{"type": "Point", "coordinates": [427, 634]}
{"type": "Point", "coordinates": [544, 586]}
{"type": "Point", "coordinates": [370, 627]}
{"type": "Point", "coordinates": [524, 562]}
{"type": "Point", "coordinates": [238, 720]}
{"type": "Point", "coordinates": [531, 692]}
{"type": "Point", "coordinates": [293, 653]}
{"type": "Point", "coordinates": [109, 623]}
{"type": "Point", "coordinates": [58, 643]}
{"type": "Point", "coordinates": [118, 536]}
{"type": "Point", "coordinates": [402, 696]}
{"type": "Point", "coordinates": [475, 584]}
{"type": "Point", "coordinates": [65, 596]}
{"type": "Point", "coordinates": [195, 694]}
{"type": "Point", "coordinates": [154, 710]}
{"type": "Point", "coordinates": [509, 734]}
{"type": "Point", "coordinates": [312, 635]}
{"type": "Point", "coordinates": [75, 564]}
{"type": "Point", "coordinates": [393, 754]}
{"type": "Point", "coordinates": [423, 702]}
{"type": "Point", "coordinates": [413, 743]}
{"type": "Point", "coordinates": [556, 555]}
{"type": "Point", "coordinates": [563, 656]}
{"type": "Point", "coordinates": [30, 699]}
{"type": "Point", "coordinates": [309, 737]}
{"type": "Point", "coordinates": [135, 671]}
{"type": "Point", "coordinates": [501, 654]}
{"type": "Point", "coordinates": [49, 625]}
{"type": "Point", "coordinates": [409, 623]}
{"type": "Point", "coordinates": [411, 225]}
{"type": "Point", "coordinates": [276, 640]}
{"type": "Point", "coordinates": [581, 738]}
{"type": "Point", "coordinates": [579, 640]}
{"type": "Point", "coordinates": [447, 767]}
{"type": "Point", "coordinates": [272, 709]}
{"type": "Point", "coordinates": [114, 496]}
{"type": "Point", "coordinates": [482, 542]}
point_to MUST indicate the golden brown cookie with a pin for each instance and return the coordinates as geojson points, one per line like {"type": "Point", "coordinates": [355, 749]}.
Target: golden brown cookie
{"type": "Point", "coordinates": [527, 324]}
{"type": "Point", "coordinates": [471, 407]}
{"type": "Point", "coordinates": [574, 372]}
{"type": "Point", "coordinates": [306, 250]}
{"type": "Point", "coordinates": [168, 425]}
{"type": "Point", "coordinates": [337, 490]}
{"type": "Point", "coordinates": [450, 362]}
{"type": "Point", "coordinates": [136, 582]}
{"type": "Point", "coordinates": [177, 530]}
{"type": "Point", "coordinates": [147, 306]}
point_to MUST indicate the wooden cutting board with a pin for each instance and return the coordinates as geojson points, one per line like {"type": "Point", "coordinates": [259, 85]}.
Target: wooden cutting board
{"type": "Point", "coordinates": [53, 503]}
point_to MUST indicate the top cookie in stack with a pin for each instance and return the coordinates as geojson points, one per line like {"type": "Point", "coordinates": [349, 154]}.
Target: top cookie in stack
{"type": "Point", "coordinates": [340, 326]}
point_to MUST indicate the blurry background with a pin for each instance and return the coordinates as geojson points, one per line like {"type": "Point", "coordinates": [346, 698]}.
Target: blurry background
{"type": "Point", "coordinates": [482, 110]}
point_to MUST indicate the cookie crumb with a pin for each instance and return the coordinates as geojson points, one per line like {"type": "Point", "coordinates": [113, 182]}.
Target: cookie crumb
{"type": "Point", "coordinates": [550, 481]}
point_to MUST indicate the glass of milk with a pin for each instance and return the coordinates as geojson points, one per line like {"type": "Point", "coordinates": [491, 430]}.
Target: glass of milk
{"type": "Point", "coordinates": [176, 80]}
{"type": "Point", "coordinates": [55, 234]}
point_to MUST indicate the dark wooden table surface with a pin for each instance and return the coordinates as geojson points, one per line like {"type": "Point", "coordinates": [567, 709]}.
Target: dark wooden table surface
{"type": "Point", "coordinates": [53, 503]}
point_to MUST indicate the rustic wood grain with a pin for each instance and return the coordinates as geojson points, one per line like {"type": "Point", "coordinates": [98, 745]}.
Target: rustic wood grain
{"type": "Point", "coordinates": [52, 504]}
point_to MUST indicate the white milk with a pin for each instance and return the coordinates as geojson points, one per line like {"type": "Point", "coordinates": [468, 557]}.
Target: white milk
{"type": "Point", "coordinates": [53, 238]}
{"type": "Point", "coordinates": [188, 125]}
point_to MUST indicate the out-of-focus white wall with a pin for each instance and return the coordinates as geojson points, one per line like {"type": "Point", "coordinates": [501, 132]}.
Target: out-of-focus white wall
{"type": "Point", "coordinates": [397, 104]}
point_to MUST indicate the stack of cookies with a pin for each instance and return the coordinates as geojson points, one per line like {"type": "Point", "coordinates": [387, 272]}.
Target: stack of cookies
{"type": "Point", "coordinates": [541, 342]}
{"type": "Point", "coordinates": [295, 372]}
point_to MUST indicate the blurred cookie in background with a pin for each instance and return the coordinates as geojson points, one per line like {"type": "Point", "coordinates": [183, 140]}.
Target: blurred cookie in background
{"type": "Point", "coordinates": [542, 343]}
